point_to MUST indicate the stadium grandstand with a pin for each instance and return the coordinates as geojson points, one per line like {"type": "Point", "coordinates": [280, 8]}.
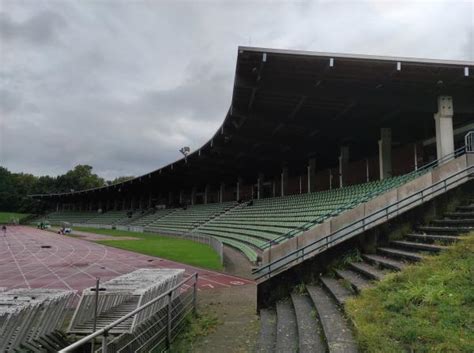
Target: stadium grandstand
{"type": "Point", "coordinates": [315, 150]}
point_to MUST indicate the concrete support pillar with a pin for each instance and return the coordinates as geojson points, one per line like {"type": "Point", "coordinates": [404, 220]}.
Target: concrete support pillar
{"type": "Point", "coordinates": [206, 193]}
{"type": "Point", "coordinates": [415, 156]}
{"type": "Point", "coordinates": [367, 170]}
{"type": "Point", "coordinates": [385, 153]}
{"type": "Point", "coordinates": [237, 189]}
{"type": "Point", "coordinates": [221, 192]}
{"type": "Point", "coordinates": [444, 127]}
{"type": "Point", "coordinates": [274, 188]}
{"type": "Point", "coordinates": [259, 185]}
{"type": "Point", "coordinates": [57, 206]}
{"type": "Point", "coordinates": [311, 175]}
{"type": "Point", "coordinates": [193, 195]}
{"type": "Point", "coordinates": [284, 181]}
{"type": "Point", "coordinates": [181, 194]}
{"type": "Point", "coordinates": [301, 185]}
{"type": "Point", "coordinates": [330, 179]}
{"type": "Point", "coordinates": [343, 162]}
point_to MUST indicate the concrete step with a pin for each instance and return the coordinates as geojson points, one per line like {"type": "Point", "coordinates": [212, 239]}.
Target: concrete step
{"type": "Point", "coordinates": [431, 238]}
{"type": "Point", "coordinates": [367, 270]}
{"type": "Point", "coordinates": [268, 327]}
{"type": "Point", "coordinates": [400, 254]}
{"type": "Point", "coordinates": [357, 281]}
{"type": "Point", "coordinates": [459, 214]}
{"type": "Point", "coordinates": [309, 328]}
{"type": "Point", "coordinates": [417, 246]}
{"type": "Point", "coordinates": [384, 262]}
{"type": "Point", "coordinates": [335, 326]}
{"type": "Point", "coordinates": [463, 222]}
{"type": "Point", "coordinates": [444, 230]}
{"type": "Point", "coordinates": [287, 332]}
{"type": "Point", "coordinates": [336, 289]}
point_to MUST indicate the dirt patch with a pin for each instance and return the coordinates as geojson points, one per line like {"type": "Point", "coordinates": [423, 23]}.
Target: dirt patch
{"type": "Point", "coordinates": [238, 325]}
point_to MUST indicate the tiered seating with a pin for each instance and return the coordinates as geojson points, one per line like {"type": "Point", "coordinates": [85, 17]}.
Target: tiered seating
{"type": "Point", "coordinates": [182, 220]}
{"type": "Point", "coordinates": [109, 217]}
{"type": "Point", "coordinates": [148, 217]}
{"type": "Point", "coordinates": [278, 218]}
{"type": "Point", "coordinates": [69, 216]}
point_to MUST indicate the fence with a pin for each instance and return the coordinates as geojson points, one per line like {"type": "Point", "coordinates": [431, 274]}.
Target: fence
{"type": "Point", "coordinates": [157, 332]}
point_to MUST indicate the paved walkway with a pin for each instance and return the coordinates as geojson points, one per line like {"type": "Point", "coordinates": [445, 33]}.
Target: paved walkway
{"type": "Point", "coordinates": [32, 258]}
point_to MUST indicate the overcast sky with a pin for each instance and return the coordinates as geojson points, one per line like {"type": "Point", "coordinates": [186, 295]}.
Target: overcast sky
{"type": "Point", "coordinates": [122, 85]}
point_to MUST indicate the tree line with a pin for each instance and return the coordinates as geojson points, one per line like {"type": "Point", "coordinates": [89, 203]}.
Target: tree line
{"type": "Point", "coordinates": [15, 187]}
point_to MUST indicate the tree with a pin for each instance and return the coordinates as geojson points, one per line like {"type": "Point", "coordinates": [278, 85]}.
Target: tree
{"type": "Point", "coordinates": [119, 180]}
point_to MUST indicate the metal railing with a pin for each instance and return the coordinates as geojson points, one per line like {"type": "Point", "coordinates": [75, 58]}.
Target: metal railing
{"type": "Point", "coordinates": [469, 142]}
{"type": "Point", "coordinates": [159, 330]}
{"type": "Point", "coordinates": [321, 218]}
{"type": "Point", "coordinates": [361, 224]}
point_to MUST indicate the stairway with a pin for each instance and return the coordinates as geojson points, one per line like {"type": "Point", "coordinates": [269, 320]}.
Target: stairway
{"type": "Point", "coordinates": [313, 320]}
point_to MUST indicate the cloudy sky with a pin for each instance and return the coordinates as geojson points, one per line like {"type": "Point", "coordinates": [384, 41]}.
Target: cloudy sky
{"type": "Point", "coordinates": [122, 85]}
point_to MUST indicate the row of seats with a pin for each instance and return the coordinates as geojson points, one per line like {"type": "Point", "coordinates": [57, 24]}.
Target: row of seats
{"type": "Point", "coordinates": [248, 227]}
{"type": "Point", "coordinates": [275, 219]}
{"type": "Point", "coordinates": [185, 220]}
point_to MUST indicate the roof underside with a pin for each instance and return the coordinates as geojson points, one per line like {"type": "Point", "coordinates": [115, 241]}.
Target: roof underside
{"type": "Point", "coordinates": [288, 106]}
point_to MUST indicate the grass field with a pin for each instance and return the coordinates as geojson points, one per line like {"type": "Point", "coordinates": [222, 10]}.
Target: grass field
{"type": "Point", "coordinates": [171, 248]}
{"type": "Point", "coordinates": [426, 308]}
{"type": "Point", "coordinates": [6, 217]}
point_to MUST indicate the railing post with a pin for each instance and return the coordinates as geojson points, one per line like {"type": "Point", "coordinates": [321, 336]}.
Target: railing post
{"type": "Point", "coordinates": [168, 323]}
{"type": "Point", "coordinates": [104, 342]}
{"type": "Point", "coordinates": [195, 294]}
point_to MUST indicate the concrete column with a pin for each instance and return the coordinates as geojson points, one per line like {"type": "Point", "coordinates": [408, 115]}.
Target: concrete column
{"type": "Point", "coordinates": [385, 153]}
{"type": "Point", "coordinates": [311, 174]}
{"type": "Point", "coordinates": [343, 162]}
{"type": "Point", "coordinates": [221, 192]}
{"type": "Point", "coordinates": [57, 206]}
{"type": "Point", "coordinates": [367, 175]}
{"type": "Point", "coordinates": [206, 193]}
{"type": "Point", "coordinates": [259, 185]}
{"type": "Point", "coordinates": [301, 185]}
{"type": "Point", "coordinates": [181, 192]}
{"type": "Point", "coordinates": [444, 127]}
{"type": "Point", "coordinates": [415, 156]}
{"type": "Point", "coordinates": [274, 188]}
{"type": "Point", "coordinates": [284, 181]}
{"type": "Point", "coordinates": [330, 179]}
{"type": "Point", "coordinates": [237, 189]}
{"type": "Point", "coordinates": [193, 195]}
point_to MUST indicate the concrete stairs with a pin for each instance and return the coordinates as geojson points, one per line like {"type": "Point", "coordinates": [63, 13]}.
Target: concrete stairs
{"type": "Point", "coordinates": [313, 319]}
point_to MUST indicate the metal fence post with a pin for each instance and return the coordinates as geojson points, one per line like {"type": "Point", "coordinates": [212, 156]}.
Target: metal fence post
{"type": "Point", "coordinates": [195, 294]}
{"type": "Point", "coordinates": [168, 323]}
{"type": "Point", "coordinates": [104, 342]}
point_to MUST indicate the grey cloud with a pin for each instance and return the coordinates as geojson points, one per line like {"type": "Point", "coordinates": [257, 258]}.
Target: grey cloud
{"type": "Point", "coordinates": [123, 87]}
{"type": "Point", "coordinates": [39, 29]}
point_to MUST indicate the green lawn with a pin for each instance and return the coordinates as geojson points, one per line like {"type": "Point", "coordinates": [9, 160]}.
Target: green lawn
{"type": "Point", "coordinates": [425, 308]}
{"type": "Point", "coordinates": [6, 217]}
{"type": "Point", "coordinates": [171, 248]}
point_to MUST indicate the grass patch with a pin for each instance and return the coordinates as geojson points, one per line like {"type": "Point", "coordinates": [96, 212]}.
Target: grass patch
{"type": "Point", "coordinates": [427, 307]}
{"type": "Point", "coordinates": [171, 248]}
{"type": "Point", "coordinates": [195, 327]}
{"type": "Point", "coordinates": [7, 217]}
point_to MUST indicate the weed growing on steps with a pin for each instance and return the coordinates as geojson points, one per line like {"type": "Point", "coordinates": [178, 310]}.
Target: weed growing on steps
{"type": "Point", "coordinates": [300, 289]}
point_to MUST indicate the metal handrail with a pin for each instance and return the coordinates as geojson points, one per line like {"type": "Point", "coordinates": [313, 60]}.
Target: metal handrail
{"type": "Point", "coordinates": [105, 330]}
{"type": "Point", "coordinates": [469, 142]}
{"type": "Point", "coordinates": [384, 211]}
{"type": "Point", "coordinates": [362, 198]}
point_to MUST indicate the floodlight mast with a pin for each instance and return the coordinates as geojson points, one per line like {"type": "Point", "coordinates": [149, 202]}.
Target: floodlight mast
{"type": "Point", "coordinates": [185, 151]}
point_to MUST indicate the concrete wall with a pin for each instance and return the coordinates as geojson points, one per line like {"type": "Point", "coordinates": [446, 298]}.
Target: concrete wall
{"type": "Point", "coordinates": [380, 208]}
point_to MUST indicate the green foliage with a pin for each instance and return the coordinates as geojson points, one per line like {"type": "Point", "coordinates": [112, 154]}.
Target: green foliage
{"type": "Point", "coordinates": [7, 217]}
{"type": "Point", "coordinates": [15, 187]}
{"type": "Point", "coordinates": [196, 326]}
{"type": "Point", "coordinates": [171, 248]}
{"type": "Point", "coordinates": [427, 307]}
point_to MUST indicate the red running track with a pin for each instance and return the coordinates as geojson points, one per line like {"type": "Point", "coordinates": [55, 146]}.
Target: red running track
{"type": "Point", "coordinates": [72, 263]}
